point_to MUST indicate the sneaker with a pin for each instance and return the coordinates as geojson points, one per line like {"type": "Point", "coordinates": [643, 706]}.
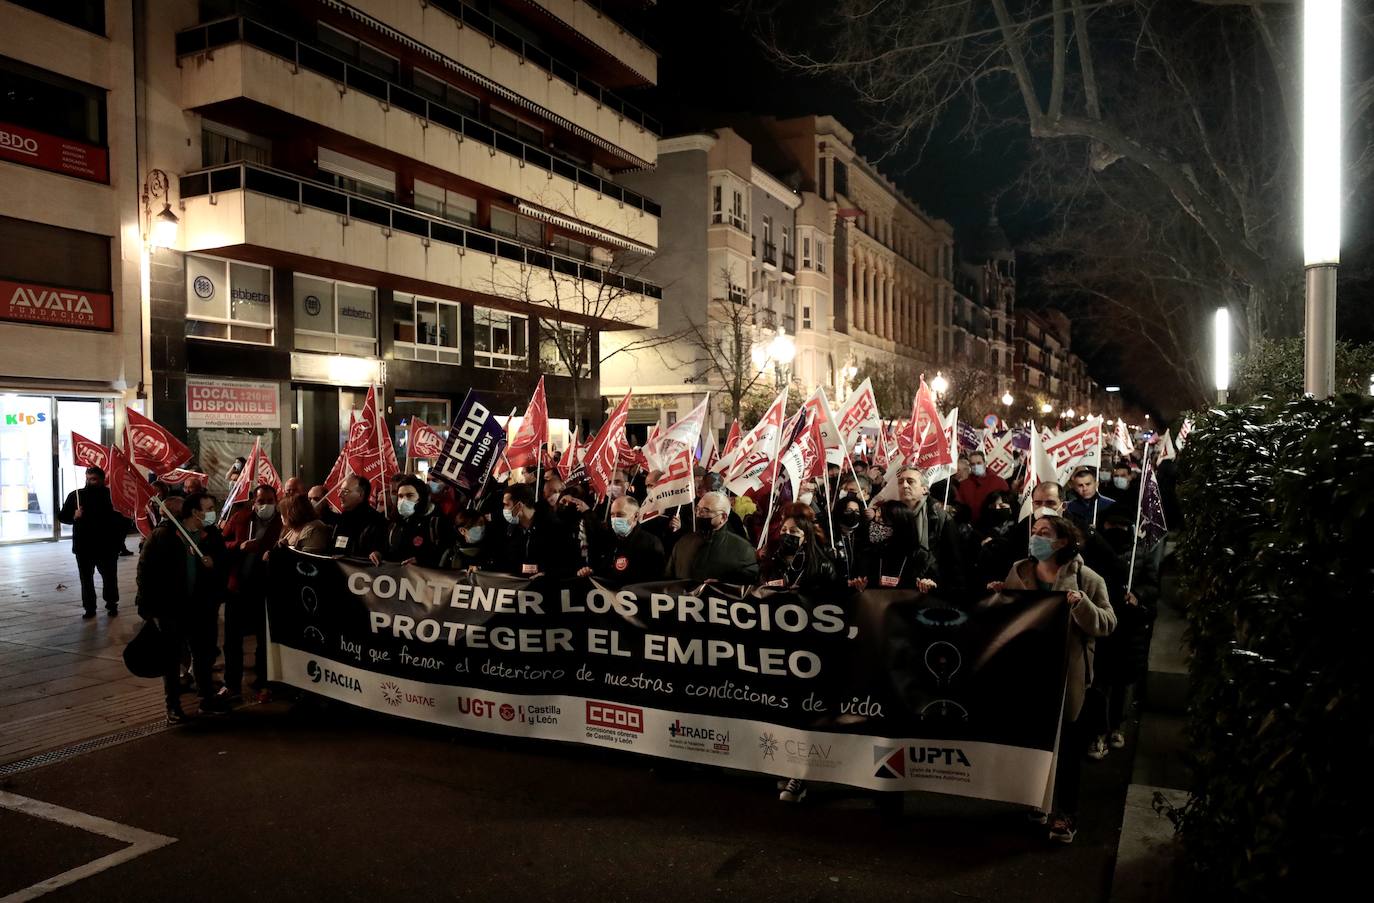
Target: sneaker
{"type": "Point", "coordinates": [1063, 828]}
{"type": "Point", "coordinates": [175, 715]}
{"type": "Point", "coordinates": [1098, 748]}
{"type": "Point", "coordinates": [214, 705]}
{"type": "Point", "coordinates": [794, 791]}
{"type": "Point", "coordinates": [1117, 740]}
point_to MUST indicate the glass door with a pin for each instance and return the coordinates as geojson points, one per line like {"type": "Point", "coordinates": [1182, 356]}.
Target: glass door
{"type": "Point", "coordinates": [74, 415]}
{"type": "Point", "coordinates": [27, 489]}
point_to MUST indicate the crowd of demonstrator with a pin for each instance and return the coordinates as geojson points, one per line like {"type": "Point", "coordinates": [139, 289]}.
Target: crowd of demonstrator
{"type": "Point", "coordinates": [962, 541]}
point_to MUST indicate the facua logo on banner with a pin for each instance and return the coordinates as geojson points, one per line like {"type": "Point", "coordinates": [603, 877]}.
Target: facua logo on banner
{"type": "Point", "coordinates": [317, 674]}
{"type": "Point", "coordinates": [621, 724]}
{"type": "Point", "coordinates": [909, 761]}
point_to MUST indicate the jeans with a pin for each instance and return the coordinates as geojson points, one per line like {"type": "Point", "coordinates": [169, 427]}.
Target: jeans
{"type": "Point", "coordinates": [86, 566]}
{"type": "Point", "coordinates": [245, 614]}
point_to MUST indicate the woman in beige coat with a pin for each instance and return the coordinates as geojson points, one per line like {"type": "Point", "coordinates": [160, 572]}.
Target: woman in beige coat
{"type": "Point", "coordinates": [302, 528]}
{"type": "Point", "coordinates": [1056, 566]}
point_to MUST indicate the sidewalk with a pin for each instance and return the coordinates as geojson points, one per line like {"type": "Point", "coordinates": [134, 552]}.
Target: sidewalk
{"type": "Point", "coordinates": [62, 679]}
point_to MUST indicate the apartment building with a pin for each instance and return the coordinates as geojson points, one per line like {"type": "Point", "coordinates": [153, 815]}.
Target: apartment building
{"type": "Point", "coordinates": [984, 305]}
{"type": "Point", "coordinates": [70, 230]}
{"type": "Point", "coordinates": [419, 196]}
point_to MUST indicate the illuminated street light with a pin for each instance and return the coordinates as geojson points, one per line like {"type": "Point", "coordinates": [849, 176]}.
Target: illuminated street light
{"type": "Point", "coordinates": [1007, 399]}
{"type": "Point", "coordinates": [1321, 188]}
{"type": "Point", "coordinates": [1221, 353]}
{"type": "Point", "coordinates": [939, 383]}
{"type": "Point", "coordinates": [1047, 408]}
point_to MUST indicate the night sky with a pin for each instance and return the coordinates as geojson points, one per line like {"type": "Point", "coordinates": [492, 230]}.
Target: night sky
{"type": "Point", "coordinates": [711, 65]}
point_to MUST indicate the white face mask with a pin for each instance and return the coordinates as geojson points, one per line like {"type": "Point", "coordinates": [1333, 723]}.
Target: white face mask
{"type": "Point", "coordinates": [405, 507]}
{"type": "Point", "coordinates": [806, 497]}
{"type": "Point", "coordinates": [208, 518]}
{"type": "Point", "coordinates": [1046, 512]}
{"type": "Point", "coordinates": [265, 512]}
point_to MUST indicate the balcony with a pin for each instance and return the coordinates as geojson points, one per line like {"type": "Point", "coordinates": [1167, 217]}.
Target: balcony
{"type": "Point", "coordinates": [241, 58]}
{"type": "Point", "coordinates": [499, 58]}
{"type": "Point", "coordinates": [246, 204]}
{"type": "Point", "coordinates": [596, 26]}
{"type": "Point", "coordinates": [789, 262]}
{"type": "Point", "coordinates": [770, 254]}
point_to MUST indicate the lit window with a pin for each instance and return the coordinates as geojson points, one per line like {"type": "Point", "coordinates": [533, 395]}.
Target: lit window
{"type": "Point", "coordinates": [425, 329]}
{"type": "Point", "coordinates": [228, 300]}
{"type": "Point", "coordinates": [335, 316]}
{"type": "Point", "coordinates": [561, 344]}
{"type": "Point", "coordinates": [500, 340]}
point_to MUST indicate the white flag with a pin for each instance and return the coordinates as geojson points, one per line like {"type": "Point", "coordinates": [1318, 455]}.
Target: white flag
{"type": "Point", "coordinates": [1122, 439]}
{"type": "Point", "coordinates": [998, 453]}
{"type": "Point", "coordinates": [1039, 469]}
{"type": "Point", "coordinates": [859, 412]}
{"type": "Point", "coordinates": [1166, 448]}
{"type": "Point", "coordinates": [687, 430]}
{"type": "Point", "coordinates": [1080, 446]}
{"type": "Point", "coordinates": [676, 487]}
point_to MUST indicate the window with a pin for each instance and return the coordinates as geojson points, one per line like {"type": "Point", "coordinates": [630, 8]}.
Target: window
{"type": "Point", "coordinates": [228, 300]}
{"type": "Point", "coordinates": [521, 228]}
{"type": "Point", "coordinates": [360, 54]}
{"type": "Point", "coordinates": [789, 311]}
{"type": "Point", "coordinates": [425, 329]}
{"type": "Point", "coordinates": [767, 233]}
{"type": "Point", "coordinates": [571, 247]}
{"type": "Point", "coordinates": [820, 256]}
{"type": "Point", "coordinates": [221, 144]}
{"type": "Point", "coordinates": [574, 341]}
{"type": "Point", "coordinates": [500, 340]}
{"type": "Point", "coordinates": [450, 205]}
{"type": "Point", "coordinates": [786, 240]}
{"type": "Point", "coordinates": [441, 92]}
{"type": "Point", "coordinates": [822, 168]}
{"type": "Point", "coordinates": [88, 15]}
{"type": "Point", "coordinates": [357, 176]}
{"type": "Point", "coordinates": [335, 316]}
{"type": "Point", "coordinates": [50, 103]}
{"type": "Point", "coordinates": [715, 203]}
{"type": "Point", "coordinates": [516, 128]}
{"type": "Point", "coordinates": [806, 251]}
{"type": "Point", "coordinates": [841, 178]}
{"type": "Point", "coordinates": [806, 316]}
{"type": "Point", "coordinates": [738, 217]}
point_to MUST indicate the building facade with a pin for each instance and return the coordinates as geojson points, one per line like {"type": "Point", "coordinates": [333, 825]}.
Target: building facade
{"type": "Point", "coordinates": [70, 239]}
{"type": "Point", "coordinates": [417, 196]}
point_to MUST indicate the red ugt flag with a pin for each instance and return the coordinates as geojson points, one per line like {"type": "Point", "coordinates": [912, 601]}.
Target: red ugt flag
{"type": "Point", "coordinates": [129, 492]}
{"type": "Point", "coordinates": [90, 454]}
{"type": "Point", "coordinates": [424, 440]}
{"type": "Point", "coordinates": [150, 446]}
{"type": "Point", "coordinates": [928, 431]}
{"type": "Point", "coordinates": [523, 450]}
{"type": "Point", "coordinates": [603, 451]}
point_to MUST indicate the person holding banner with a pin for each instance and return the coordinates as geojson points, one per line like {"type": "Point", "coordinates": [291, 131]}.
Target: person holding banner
{"type": "Point", "coordinates": [97, 537]}
{"type": "Point", "coordinates": [1002, 542]}
{"type": "Point", "coordinates": [623, 552]}
{"type": "Point", "coordinates": [534, 543]}
{"type": "Point", "coordinates": [170, 567]}
{"type": "Point", "coordinates": [849, 540]}
{"type": "Point", "coordinates": [1056, 565]}
{"type": "Point", "coordinates": [302, 529]}
{"type": "Point", "coordinates": [714, 551]}
{"type": "Point", "coordinates": [796, 559]}
{"type": "Point", "coordinates": [360, 529]}
{"type": "Point", "coordinates": [936, 541]}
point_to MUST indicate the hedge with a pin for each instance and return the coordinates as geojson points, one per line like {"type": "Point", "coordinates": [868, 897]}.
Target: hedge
{"type": "Point", "coordinates": [1278, 546]}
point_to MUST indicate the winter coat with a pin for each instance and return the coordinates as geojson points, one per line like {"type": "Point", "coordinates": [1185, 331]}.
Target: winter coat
{"type": "Point", "coordinates": [722, 555]}
{"type": "Point", "coordinates": [99, 531]}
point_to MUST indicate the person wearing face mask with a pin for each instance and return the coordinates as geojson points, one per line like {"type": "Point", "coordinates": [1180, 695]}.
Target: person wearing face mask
{"type": "Point", "coordinates": [851, 540]}
{"type": "Point", "coordinates": [360, 529]}
{"type": "Point", "coordinates": [974, 490]}
{"type": "Point", "coordinates": [1049, 499]}
{"type": "Point", "coordinates": [97, 537]}
{"type": "Point", "coordinates": [1056, 565]}
{"type": "Point", "coordinates": [623, 552]}
{"type": "Point", "coordinates": [173, 583]}
{"type": "Point", "coordinates": [250, 534]}
{"type": "Point", "coordinates": [713, 551]}
{"type": "Point", "coordinates": [1125, 488]}
{"type": "Point", "coordinates": [796, 559]}
{"type": "Point", "coordinates": [894, 557]}
{"type": "Point", "coordinates": [417, 534]}
{"type": "Point", "coordinates": [533, 542]}
{"type": "Point", "coordinates": [1001, 542]}
{"type": "Point", "coordinates": [470, 549]}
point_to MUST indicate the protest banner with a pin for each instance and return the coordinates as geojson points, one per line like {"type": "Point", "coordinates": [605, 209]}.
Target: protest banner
{"type": "Point", "coordinates": [884, 689]}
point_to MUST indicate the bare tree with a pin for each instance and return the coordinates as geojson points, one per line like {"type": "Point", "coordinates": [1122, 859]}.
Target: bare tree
{"type": "Point", "coordinates": [719, 350]}
{"type": "Point", "coordinates": [1195, 98]}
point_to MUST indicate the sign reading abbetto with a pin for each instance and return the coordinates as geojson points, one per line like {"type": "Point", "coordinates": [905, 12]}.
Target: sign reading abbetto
{"type": "Point", "coordinates": [49, 305]}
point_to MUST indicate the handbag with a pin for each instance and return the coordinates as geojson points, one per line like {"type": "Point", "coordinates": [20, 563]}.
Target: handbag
{"type": "Point", "coordinates": [148, 652]}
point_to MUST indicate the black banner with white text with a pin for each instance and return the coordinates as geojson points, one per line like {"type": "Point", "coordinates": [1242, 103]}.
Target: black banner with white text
{"type": "Point", "coordinates": [882, 689]}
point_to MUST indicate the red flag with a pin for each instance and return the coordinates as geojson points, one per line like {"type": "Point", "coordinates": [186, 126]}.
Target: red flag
{"type": "Point", "coordinates": [927, 431]}
{"type": "Point", "coordinates": [369, 449]}
{"type": "Point", "coordinates": [90, 454]}
{"type": "Point", "coordinates": [732, 438]}
{"type": "Point", "coordinates": [569, 459]}
{"type": "Point", "coordinates": [523, 450]}
{"type": "Point", "coordinates": [181, 475]}
{"type": "Point", "coordinates": [257, 472]}
{"type": "Point", "coordinates": [603, 451]}
{"type": "Point", "coordinates": [150, 446]}
{"type": "Point", "coordinates": [806, 457]}
{"type": "Point", "coordinates": [333, 484]}
{"type": "Point", "coordinates": [423, 439]}
{"type": "Point", "coordinates": [753, 464]}
{"type": "Point", "coordinates": [129, 492]}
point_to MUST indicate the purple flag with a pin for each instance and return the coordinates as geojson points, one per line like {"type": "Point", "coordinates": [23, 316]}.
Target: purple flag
{"type": "Point", "coordinates": [474, 444]}
{"type": "Point", "coordinates": [969, 438]}
{"type": "Point", "coordinates": [1020, 438]}
{"type": "Point", "coordinates": [1152, 526]}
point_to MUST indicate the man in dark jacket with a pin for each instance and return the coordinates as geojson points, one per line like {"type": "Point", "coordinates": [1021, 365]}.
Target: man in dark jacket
{"type": "Point", "coordinates": [624, 552]}
{"type": "Point", "coordinates": [250, 534]}
{"type": "Point", "coordinates": [534, 542]}
{"type": "Point", "coordinates": [935, 532]}
{"type": "Point", "coordinates": [97, 537]}
{"type": "Point", "coordinates": [171, 579]}
{"type": "Point", "coordinates": [360, 529]}
{"type": "Point", "coordinates": [714, 551]}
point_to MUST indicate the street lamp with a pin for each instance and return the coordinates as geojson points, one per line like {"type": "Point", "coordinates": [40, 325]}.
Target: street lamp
{"type": "Point", "coordinates": [1221, 353]}
{"type": "Point", "coordinates": [1321, 188]}
{"type": "Point", "coordinates": [1007, 399]}
{"type": "Point", "coordinates": [779, 352]}
{"type": "Point", "coordinates": [161, 230]}
{"type": "Point", "coordinates": [1047, 408]}
{"type": "Point", "coordinates": [939, 383]}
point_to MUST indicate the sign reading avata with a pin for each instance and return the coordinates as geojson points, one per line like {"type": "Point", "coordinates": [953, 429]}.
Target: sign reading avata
{"type": "Point", "coordinates": [72, 158]}
{"type": "Point", "coordinates": [46, 305]}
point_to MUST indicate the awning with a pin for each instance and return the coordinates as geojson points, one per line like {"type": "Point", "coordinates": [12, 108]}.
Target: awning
{"type": "Point", "coordinates": [573, 225]}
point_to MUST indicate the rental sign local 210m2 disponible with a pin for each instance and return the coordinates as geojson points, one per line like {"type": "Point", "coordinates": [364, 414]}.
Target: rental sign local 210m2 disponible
{"type": "Point", "coordinates": [882, 689]}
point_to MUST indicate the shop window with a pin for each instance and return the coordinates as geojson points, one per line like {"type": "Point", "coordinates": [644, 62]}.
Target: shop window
{"type": "Point", "coordinates": [221, 144]}
{"type": "Point", "coordinates": [433, 411]}
{"type": "Point", "coordinates": [516, 128]}
{"type": "Point", "coordinates": [50, 103]}
{"type": "Point", "coordinates": [425, 329]}
{"type": "Point", "coordinates": [442, 202]}
{"type": "Point", "coordinates": [357, 176]}
{"type": "Point", "coordinates": [573, 342]}
{"type": "Point", "coordinates": [334, 316]}
{"type": "Point", "coordinates": [228, 300]}
{"type": "Point", "coordinates": [500, 340]}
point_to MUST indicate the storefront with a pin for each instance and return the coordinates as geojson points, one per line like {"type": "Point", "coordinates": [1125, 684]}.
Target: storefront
{"type": "Point", "coordinates": [37, 469]}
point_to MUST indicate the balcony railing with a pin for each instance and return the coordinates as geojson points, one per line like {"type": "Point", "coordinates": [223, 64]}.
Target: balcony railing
{"type": "Point", "coordinates": [306, 56]}
{"type": "Point", "coordinates": [307, 193]}
{"type": "Point", "coordinates": [483, 23]}
{"type": "Point", "coordinates": [770, 253]}
{"type": "Point", "coordinates": [789, 261]}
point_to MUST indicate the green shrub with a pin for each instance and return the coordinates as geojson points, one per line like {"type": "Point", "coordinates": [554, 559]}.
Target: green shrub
{"type": "Point", "coordinates": [1278, 543]}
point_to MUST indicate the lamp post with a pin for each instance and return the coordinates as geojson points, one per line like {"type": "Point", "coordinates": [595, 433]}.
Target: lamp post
{"type": "Point", "coordinates": [939, 385]}
{"type": "Point", "coordinates": [1321, 188]}
{"type": "Point", "coordinates": [160, 231]}
{"type": "Point", "coordinates": [780, 351]}
{"type": "Point", "coordinates": [1221, 353]}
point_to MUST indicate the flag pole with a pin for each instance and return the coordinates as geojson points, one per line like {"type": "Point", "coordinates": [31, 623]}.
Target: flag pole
{"type": "Point", "coordinates": [1139, 507]}
{"type": "Point", "coordinates": [773, 488]}
{"type": "Point", "coordinates": [180, 529]}
{"type": "Point", "coordinates": [410, 442]}
{"type": "Point", "coordinates": [377, 423]}
{"type": "Point", "coordinates": [829, 518]}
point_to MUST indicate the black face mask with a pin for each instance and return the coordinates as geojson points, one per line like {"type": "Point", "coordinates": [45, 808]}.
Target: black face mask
{"type": "Point", "coordinates": [789, 544]}
{"type": "Point", "coordinates": [998, 516]}
{"type": "Point", "coordinates": [704, 526]}
{"type": "Point", "coordinates": [850, 519]}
